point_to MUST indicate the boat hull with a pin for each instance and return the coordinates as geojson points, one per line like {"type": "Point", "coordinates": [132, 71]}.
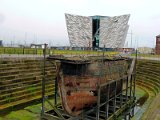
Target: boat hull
{"type": "Point", "coordinates": [78, 81]}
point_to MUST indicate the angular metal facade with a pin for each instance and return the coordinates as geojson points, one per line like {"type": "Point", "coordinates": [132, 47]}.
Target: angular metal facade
{"type": "Point", "coordinates": [79, 30]}
{"type": "Point", "coordinates": [112, 31]}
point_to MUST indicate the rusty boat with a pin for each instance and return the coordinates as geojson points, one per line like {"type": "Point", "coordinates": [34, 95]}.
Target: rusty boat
{"type": "Point", "coordinates": [78, 78]}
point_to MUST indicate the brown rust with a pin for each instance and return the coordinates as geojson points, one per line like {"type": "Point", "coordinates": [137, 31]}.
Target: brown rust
{"type": "Point", "coordinates": [78, 79]}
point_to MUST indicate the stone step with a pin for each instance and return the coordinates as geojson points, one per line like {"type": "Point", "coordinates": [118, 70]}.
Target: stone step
{"type": "Point", "coordinates": [148, 87]}
{"type": "Point", "coordinates": [19, 88]}
{"type": "Point", "coordinates": [150, 83]}
{"type": "Point", "coordinates": [25, 91]}
{"type": "Point", "coordinates": [23, 101]}
{"type": "Point", "coordinates": [24, 81]}
{"type": "Point", "coordinates": [152, 77]}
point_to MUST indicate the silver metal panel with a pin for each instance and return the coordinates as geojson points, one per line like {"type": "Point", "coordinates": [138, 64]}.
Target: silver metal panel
{"type": "Point", "coordinates": [79, 30]}
{"type": "Point", "coordinates": [113, 31]}
{"type": "Point", "coordinates": [123, 38]}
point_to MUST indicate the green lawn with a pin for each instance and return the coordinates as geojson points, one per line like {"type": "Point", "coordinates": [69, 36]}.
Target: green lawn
{"type": "Point", "coordinates": [147, 55]}
{"type": "Point", "coordinates": [32, 112]}
{"type": "Point", "coordinates": [39, 51]}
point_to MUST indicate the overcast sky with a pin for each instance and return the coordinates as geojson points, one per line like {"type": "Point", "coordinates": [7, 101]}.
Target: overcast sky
{"type": "Point", "coordinates": [40, 21]}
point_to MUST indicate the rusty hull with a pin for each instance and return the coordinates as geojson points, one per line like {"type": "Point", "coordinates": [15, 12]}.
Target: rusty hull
{"type": "Point", "coordinates": [78, 79]}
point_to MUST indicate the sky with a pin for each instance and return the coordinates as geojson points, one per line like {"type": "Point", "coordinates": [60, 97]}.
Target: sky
{"type": "Point", "coordinates": [43, 21]}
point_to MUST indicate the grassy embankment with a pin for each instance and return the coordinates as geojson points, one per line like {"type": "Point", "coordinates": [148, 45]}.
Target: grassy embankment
{"type": "Point", "coordinates": [148, 81]}
{"type": "Point", "coordinates": [148, 84]}
{"type": "Point", "coordinates": [20, 83]}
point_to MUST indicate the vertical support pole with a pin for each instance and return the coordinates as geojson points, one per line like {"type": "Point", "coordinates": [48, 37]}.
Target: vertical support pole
{"type": "Point", "coordinates": [134, 87]}
{"type": "Point", "coordinates": [121, 93]}
{"type": "Point", "coordinates": [115, 95]}
{"type": "Point", "coordinates": [55, 93]}
{"type": "Point", "coordinates": [130, 94]}
{"type": "Point", "coordinates": [131, 98]}
{"type": "Point", "coordinates": [107, 102]}
{"type": "Point", "coordinates": [127, 89]}
{"type": "Point", "coordinates": [98, 102]}
{"type": "Point", "coordinates": [99, 87]}
{"type": "Point", "coordinates": [43, 80]}
{"type": "Point", "coordinates": [134, 80]}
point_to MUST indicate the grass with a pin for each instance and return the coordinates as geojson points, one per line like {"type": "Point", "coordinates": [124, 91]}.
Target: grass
{"type": "Point", "coordinates": [147, 73]}
{"type": "Point", "coordinates": [33, 112]}
{"type": "Point", "coordinates": [36, 109]}
{"type": "Point", "coordinates": [139, 93]}
{"type": "Point", "coordinates": [152, 113]}
{"type": "Point", "coordinates": [147, 55]}
{"type": "Point", "coordinates": [79, 52]}
{"type": "Point", "coordinates": [22, 115]}
{"type": "Point", "coordinates": [17, 50]}
{"type": "Point", "coordinates": [39, 51]}
{"type": "Point", "coordinates": [28, 113]}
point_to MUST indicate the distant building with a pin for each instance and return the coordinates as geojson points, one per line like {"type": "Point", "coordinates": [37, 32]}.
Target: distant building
{"type": "Point", "coordinates": [1, 43]}
{"type": "Point", "coordinates": [36, 46]}
{"type": "Point", "coordinates": [60, 47]}
{"type": "Point", "coordinates": [97, 31]}
{"type": "Point", "coordinates": [126, 50]}
{"type": "Point", "coordinates": [157, 50]}
{"type": "Point", "coordinates": [145, 50]}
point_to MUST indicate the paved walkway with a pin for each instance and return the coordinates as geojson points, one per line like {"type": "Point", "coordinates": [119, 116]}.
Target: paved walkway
{"type": "Point", "coordinates": [19, 56]}
{"type": "Point", "coordinates": [150, 58]}
{"type": "Point", "coordinates": [41, 56]}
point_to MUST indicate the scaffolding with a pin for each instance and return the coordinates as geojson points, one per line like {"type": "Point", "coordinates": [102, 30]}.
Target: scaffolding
{"type": "Point", "coordinates": [118, 105]}
{"type": "Point", "coordinates": [121, 104]}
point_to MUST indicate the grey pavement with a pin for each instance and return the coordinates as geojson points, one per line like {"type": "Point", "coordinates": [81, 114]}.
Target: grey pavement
{"type": "Point", "coordinates": [20, 56]}
{"type": "Point", "coordinates": [33, 56]}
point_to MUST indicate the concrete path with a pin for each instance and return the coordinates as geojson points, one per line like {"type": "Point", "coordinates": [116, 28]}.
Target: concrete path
{"type": "Point", "coordinates": [9, 56]}
{"type": "Point", "coordinates": [150, 58]}
{"type": "Point", "coordinates": [19, 56]}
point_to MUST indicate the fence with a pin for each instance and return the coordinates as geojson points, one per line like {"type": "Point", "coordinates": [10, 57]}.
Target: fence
{"type": "Point", "coordinates": [17, 50]}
